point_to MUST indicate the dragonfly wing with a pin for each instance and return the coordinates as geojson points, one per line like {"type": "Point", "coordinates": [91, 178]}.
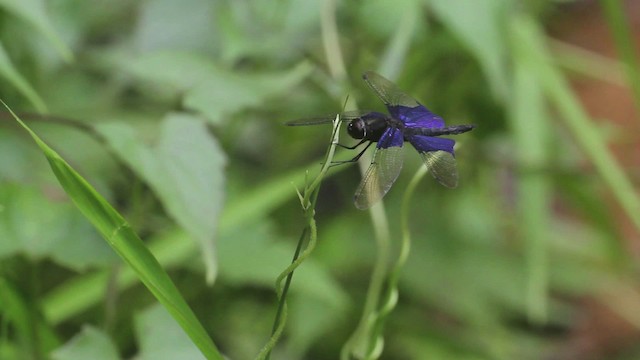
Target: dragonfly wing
{"type": "Point", "coordinates": [387, 91]}
{"type": "Point", "coordinates": [402, 106]}
{"type": "Point", "coordinates": [327, 119]}
{"type": "Point", "coordinates": [383, 171]}
{"type": "Point", "coordinates": [437, 154]}
{"type": "Point", "coordinates": [417, 117]}
{"type": "Point", "coordinates": [311, 121]}
{"type": "Point", "coordinates": [424, 143]}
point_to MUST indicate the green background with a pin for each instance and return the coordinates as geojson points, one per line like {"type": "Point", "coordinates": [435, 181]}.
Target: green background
{"type": "Point", "coordinates": [174, 112]}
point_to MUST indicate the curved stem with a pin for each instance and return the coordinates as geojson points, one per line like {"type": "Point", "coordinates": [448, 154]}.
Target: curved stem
{"type": "Point", "coordinates": [308, 201]}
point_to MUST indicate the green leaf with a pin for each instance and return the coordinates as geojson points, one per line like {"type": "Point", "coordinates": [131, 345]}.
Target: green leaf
{"type": "Point", "coordinates": [185, 169]}
{"type": "Point", "coordinates": [168, 24]}
{"type": "Point", "coordinates": [159, 338]}
{"type": "Point", "coordinates": [251, 255]}
{"type": "Point", "coordinates": [211, 90]}
{"type": "Point", "coordinates": [118, 233]}
{"type": "Point", "coordinates": [172, 249]}
{"type": "Point", "coordinates": [11, 74]}
{"type": "Point", "coordinates": [381, 18]}
{"type": "Point", "coordinates": [35, 13]}
{"type": "Point", "coordinates": [38, 227]}
{"type": "Point", "coordinates": [90, 343]}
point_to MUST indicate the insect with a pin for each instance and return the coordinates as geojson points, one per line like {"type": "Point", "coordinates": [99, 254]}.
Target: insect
{"type": "Point", "coordinates": [408, 120]}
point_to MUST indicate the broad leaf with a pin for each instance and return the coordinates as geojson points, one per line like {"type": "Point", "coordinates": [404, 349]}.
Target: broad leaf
{"type": "Point", "coordinates": [214, 91]}
{"type": "Point", "coordinates": [90, 343]}
{"type": "Point", "coordinates": [160, 338]}
{"type": "Point", "coordinates": [37, 227]}
{"type": "Point", "coordinates": [185, 169]}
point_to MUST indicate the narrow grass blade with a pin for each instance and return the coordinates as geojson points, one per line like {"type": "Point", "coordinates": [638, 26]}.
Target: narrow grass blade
{"type": "Point", "coordinates": [9, 72]}
{"type": "Point", "coordinates": [117, 232]}
{"type": "Point", "coordinates": [615, 14]}
{"type": "Point", "coordinates": [531, 131]}
{"type": "Point", "coordinates": [531, 38]}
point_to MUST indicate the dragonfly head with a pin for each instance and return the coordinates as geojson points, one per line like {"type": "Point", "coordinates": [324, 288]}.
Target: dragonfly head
{"type": "Point", "coordinates": [357, 129]}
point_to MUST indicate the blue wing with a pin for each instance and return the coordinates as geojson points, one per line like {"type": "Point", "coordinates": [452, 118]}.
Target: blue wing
{"type": "Point", "coordinates": [400, 105]}
{"type": "Point", "coordinates": [417, 117]}
{"type": "Point", "coordinates": [437, 155]}
{"type": "Point", "coordinates": [429, 143]}
{"type": "Point", "coordinates": [383, 171]}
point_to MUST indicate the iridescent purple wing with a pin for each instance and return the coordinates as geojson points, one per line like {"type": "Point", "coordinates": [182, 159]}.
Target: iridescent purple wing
{"type": "Point", "coordinates": [400, 105]}
{"type": "Point", "coordinates": [417, 117]}
{"type": "Point", "coordinates": [383, 171]}
{"type": "Point", "coordinates": [437, 154]}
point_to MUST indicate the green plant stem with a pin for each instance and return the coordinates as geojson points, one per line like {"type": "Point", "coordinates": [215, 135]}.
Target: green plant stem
{"type": "Point", "coordinates": [287, 283]}
{"type": "Point", "coordinates": [308, 200]}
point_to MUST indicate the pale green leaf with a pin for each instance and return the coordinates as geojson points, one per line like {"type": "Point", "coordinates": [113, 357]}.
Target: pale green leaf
{"type": "Point", "coordinates": [35, 13]}
{"type": "Point", "coordinates": [211, 90]}
{"type": "Point", "coordinates": [180, 25]}
{"type": "Point", "coordinates": [185, 169]}
{"type": "Point", "coordinates": [225, 93]}
{"type": "Point", "coordinates": [250, 255]}
{"type": "Point", "coordinates": [90, 343]}
{"type": "Point", "coordinates": [160, 338]}
{"type": "Point", "coordinates": [37, 227]}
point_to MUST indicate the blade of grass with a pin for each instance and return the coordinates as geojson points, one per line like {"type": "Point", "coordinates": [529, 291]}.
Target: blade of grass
{"type": "Point", "coordinates": [587, 63]}
{"type": "Point", "coordinates": [624, 41]}
{"type": "Point", "coordinates": [531, 134]}
{"type": "Point", "coordinates": [527, 33]}
{"type": "Point", "coordinates": [127, 245]}
{"type": "Point", "coordinates": [9, 72]}
{"type": "Point", "coordinates": [35, 336]}
{"type": "Point", "coordinates": [330, 40]}
{"type": "Point", "coordinates": [170, 248]}
{"type": "Point", "coordinates": [35, 12]}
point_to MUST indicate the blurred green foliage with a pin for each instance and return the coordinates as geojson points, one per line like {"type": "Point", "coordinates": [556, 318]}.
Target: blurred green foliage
{"type": "Point", "coordinates": [173, 111]}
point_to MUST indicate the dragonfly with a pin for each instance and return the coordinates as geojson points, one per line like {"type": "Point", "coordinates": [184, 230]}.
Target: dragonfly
{"type": "Point", "coordinates": [407, 121]}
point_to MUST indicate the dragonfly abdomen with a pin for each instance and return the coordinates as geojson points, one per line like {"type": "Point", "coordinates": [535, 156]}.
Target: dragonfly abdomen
{"type": "Point", "coordinates": [447, 130]}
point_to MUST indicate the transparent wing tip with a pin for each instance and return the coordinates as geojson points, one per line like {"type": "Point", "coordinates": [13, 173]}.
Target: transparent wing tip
{"type": "Point", "coordinates": [448, 180]}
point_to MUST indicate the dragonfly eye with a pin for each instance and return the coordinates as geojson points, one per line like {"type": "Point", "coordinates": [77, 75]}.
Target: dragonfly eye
{"type": "Point", "coordinates": [357, 129]}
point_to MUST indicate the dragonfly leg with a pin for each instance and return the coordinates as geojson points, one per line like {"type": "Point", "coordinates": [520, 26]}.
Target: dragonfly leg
{"type": "Point", "coordinates": [355, 158]}
{"type": "Point", "coordinates": [354, 146]}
